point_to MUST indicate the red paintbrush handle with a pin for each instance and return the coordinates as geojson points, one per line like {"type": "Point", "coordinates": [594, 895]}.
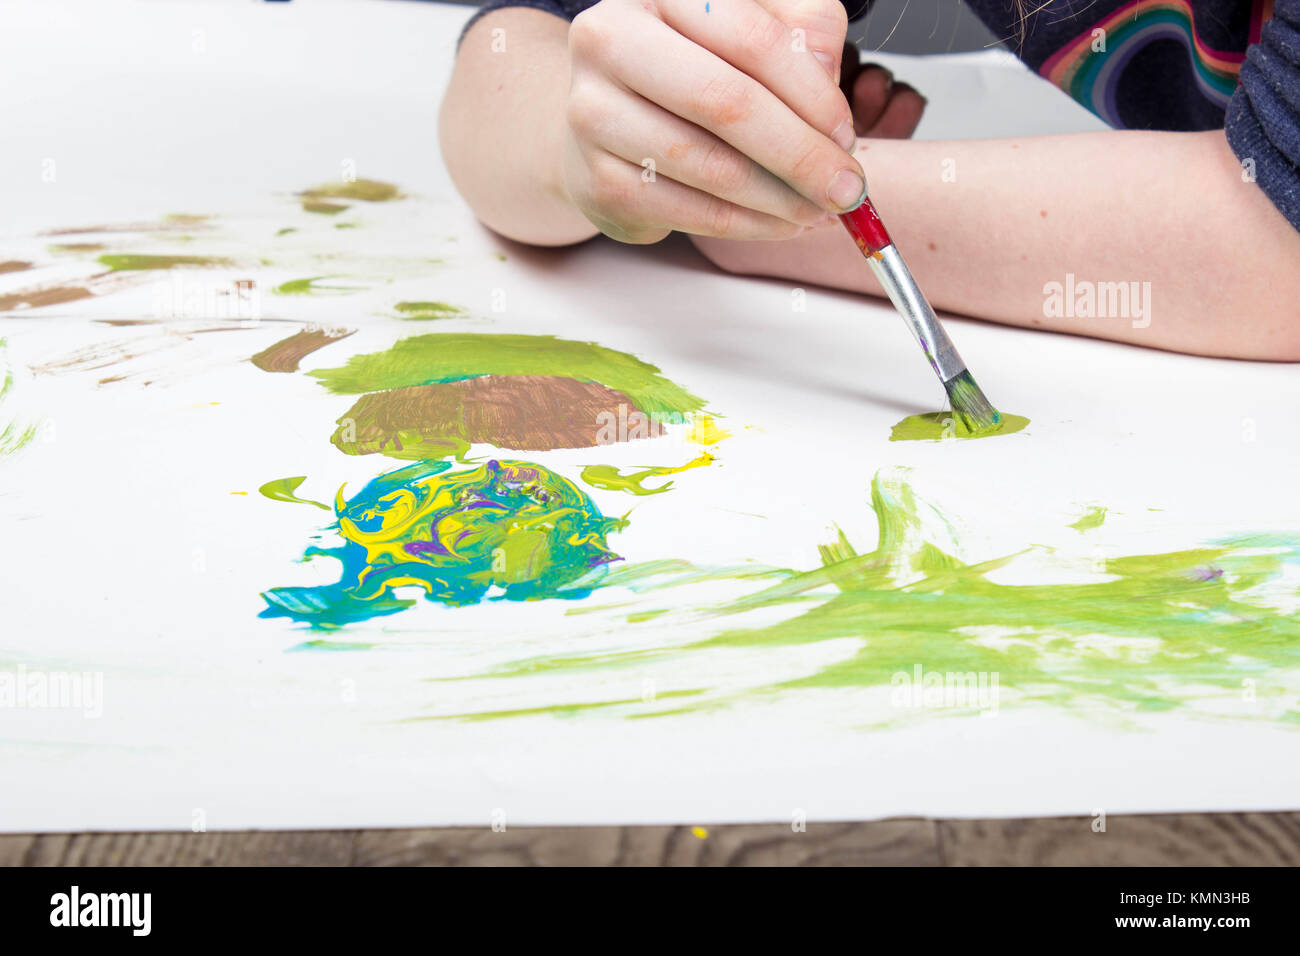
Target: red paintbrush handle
{"type": "Point", "coordinates": [867, 230]}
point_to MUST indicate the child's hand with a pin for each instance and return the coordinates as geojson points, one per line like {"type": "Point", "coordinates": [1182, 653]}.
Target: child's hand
{"type": "Point", "coordinates": [734, 101]}
{"type": "Point", "coordinates": [882, 108]}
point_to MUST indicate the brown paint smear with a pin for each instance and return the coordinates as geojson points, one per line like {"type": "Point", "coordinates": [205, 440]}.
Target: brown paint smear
{"type": "Point", "coordinates": [13, 265]}
{"type": "Point", "coordinates": [521, 412]}
{"type": "Point", "coordinates": [51, 295]}
{"type": "Point", "coordinates": [177, 223]}
{"type": "Point", "coordinates": [37, 297]}
{"type": "Point", "coordinates": [285, 355]}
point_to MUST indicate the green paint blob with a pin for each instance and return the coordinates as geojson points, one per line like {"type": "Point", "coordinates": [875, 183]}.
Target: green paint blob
{"type": "Point", "coordinates": [323, 207]}
{"type": "Point", "coordinates": [282, 489]}
{"type": "Point", "coordinates": [609, 478]}
{"type": "Point", "coordinates": [1176, 630]}
{"type": "Point", "coordinates": [510, 527]}
{"type": "Point", "coordinates": [311, 286]}
{"type": "Point", "coordinates": [365, 190]}
{"type": "Point", "coordinates": [1092, 518]}
{"type": "Point", "coordinates": [933, 426]}
{"type": "Point", "coordinates": [425, 311]}
{"type": "Point", "coordinates": [135, 262]}
{"type": "Point", "coordinates": [434, 358]}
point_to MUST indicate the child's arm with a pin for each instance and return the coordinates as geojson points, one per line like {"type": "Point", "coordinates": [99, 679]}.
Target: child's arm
{"type": "Point", "coordinates": [986, 225]}
{"type": "Point", "coordinates": [546, 126]}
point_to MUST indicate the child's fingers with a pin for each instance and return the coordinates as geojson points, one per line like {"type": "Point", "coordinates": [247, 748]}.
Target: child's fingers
{"type": "Point", "coordinates": [775, 52]}
{"type": "Point", "coordinates": [665, 145]}
{"type": "Point", "coordinates": [823, 24]}
{"type": "Point", "coordinates": [901, 114]}
{"type": "Point", "coordinates": [870, 96]}
{"type": "Point", "coordinates": [630, 209]}
{"type": "Point", "coordinates": [703, 89]}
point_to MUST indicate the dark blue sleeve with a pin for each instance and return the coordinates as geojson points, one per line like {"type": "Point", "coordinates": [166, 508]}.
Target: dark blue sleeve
{"type": "Point", "coordinates": [1263, 119]}
{"type": "Point", "coordinates": [568, 9]}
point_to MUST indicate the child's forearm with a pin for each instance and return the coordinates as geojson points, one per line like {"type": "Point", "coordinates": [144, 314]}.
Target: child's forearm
{"type": "Point", "coordinates": [500, 126]}
{"type": "Point", "coordinates": [989, 226]}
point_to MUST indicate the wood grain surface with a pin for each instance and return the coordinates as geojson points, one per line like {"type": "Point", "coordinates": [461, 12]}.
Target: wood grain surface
{"type": "Point", "coordinates": [1194, 839]}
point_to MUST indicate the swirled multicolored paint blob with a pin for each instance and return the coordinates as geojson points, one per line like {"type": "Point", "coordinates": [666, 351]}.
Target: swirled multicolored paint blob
{"type": "Point", "coordinates": [507, 529]}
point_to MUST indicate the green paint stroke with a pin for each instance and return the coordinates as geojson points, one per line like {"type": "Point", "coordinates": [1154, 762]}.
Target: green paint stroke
{"type": "Point", "coordinates": [311, 286]}
{"type": "Point", "coordinates": [434, 358]}
{"type": "Point", "coordinates": [13, 436]}
{"type": "Point", "coordinates": [1155, 632]}
{"type": "Point", "coordinates": [934, 426]}
{"type": "Point", "coordinates": [365, 190]}
{"type": "Point", "coordinates": [506, 530]}
{"type": "Point", "coordinates": [323, 207]}
{"type": "Point", "coordinates": [136, 262]}
{"type": "Point", "coordinates": [609, 478]}
{"type": "Point", "coordinates": [427, 311]}
{"type": "Point", "coordinates": [282, 489]}
{"type": "Point", "coordinates": [1092, 518]}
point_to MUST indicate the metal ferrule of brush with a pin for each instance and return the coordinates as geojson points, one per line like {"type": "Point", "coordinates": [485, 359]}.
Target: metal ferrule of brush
{"type": "Point", "coordinates": [892, 273]}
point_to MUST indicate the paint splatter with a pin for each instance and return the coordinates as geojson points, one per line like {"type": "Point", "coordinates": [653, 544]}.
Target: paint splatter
{"type": "Point", "coordinates": [14, 436]}
{"type": "Point", "coordinates": [320, 199]}
{"type": "Point", "coordinates": [434, 358]}
{"type": "Point", "coordinates": [285, 355]}
{"type": "Point", "coordinates": [136, 262]}
{"type": "Point", "coordinates": [14, 265]}
{"type": "Point", "coordinates": [1176, 630]}
{"type": "Point", "coordinates": [365, 190]}
{"type": "Point", "coordinates": [705, 430]}
{"type": "Point", "coordinates": [609, 478]}
{"type": "Point", "coordinates": [427, 311]}
{"type": "Point", "coordinates": [934, 426]}
{"type": "Point", "coordinates": [175, 222]}
{"type": "Point", "coordinates": [519, 412]}
{"type": "Point", "coordinates": [1092, 518]}
{"type": "Point", "coordinates": [76, 247]}
{"type": "Point", "coordinates": [506, 530]}
{"type": "Point", "coordinates": [311, 286]}
{"type": "Point", "coordinates": [282, 489]}
{"type": "Point", "coordinates": [323, 206]}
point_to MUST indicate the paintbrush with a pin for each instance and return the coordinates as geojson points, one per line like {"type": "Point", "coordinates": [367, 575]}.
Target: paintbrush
{"type": "Point", "coordinates": [969, 405]}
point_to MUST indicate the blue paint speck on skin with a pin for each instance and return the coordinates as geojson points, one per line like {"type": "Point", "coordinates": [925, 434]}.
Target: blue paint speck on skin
{"type": "Point", "coordinates": [706, 8]}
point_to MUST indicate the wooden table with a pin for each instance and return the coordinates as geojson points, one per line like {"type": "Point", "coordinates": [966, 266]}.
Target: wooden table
{"type": "Point", "coordinates": [1187, 839]}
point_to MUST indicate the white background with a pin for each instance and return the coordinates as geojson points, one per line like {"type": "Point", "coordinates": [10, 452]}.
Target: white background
{"type": "Point", "coordinates": [124, 551]}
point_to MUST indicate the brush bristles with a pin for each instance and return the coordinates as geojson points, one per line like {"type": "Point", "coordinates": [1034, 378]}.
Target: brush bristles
{"type": "Point", "coordinates": [969, 404]}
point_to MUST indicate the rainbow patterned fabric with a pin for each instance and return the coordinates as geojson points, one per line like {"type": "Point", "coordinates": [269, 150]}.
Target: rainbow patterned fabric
{"type": "Point", "coordinates": [1140, 64]}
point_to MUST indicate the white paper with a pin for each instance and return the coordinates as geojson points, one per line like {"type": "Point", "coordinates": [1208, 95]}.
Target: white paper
{"type": "Point", "coordinates": [136, 546]}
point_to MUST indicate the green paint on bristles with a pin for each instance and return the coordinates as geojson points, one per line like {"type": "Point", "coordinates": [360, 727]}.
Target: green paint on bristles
{"type": "Point", "coordinates": [970, 405]}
